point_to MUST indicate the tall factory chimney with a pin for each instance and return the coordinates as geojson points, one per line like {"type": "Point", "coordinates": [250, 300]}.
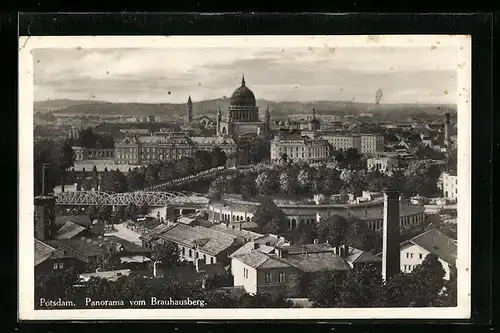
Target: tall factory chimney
{"type": "Point", "coordinates": [44, 210]}
{"type": "Point", "coordinates": [447, 130]}
{"type": "Point", "coordinates": [391, 250]}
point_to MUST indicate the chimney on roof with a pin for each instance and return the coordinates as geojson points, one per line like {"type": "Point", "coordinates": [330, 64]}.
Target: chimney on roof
{"type": "Point", "coordinates": [391, 235]}
{"type": "Point", "coordinates": [282, 252]}
{"type": "Point", "coordinates": [255, 245]}
{"type": "Point", "coordinates": [45, 179]}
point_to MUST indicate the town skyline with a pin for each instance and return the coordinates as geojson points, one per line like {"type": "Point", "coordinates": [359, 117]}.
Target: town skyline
{"type": "Point", "coordinates": [276, 74]}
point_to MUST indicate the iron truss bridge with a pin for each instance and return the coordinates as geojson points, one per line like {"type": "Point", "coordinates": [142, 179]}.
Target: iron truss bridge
{"type": "Point", "coordinates": [152, 199]}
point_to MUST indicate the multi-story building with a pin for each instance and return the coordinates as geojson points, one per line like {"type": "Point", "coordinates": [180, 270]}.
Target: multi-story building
{"type": "Point", "coordinates": [167, 146]}
{"type": "Point", "coordinates": [371, 143]}
{"type": "Point", "coordinates": [343, 141]}
{"type": "Point", "coordinates": [363, 143]}
{"type": "Point", "coordinates": [299, 148]}
{"type": "Point", "coordinates": [450, 186]}
{"type": "Point", "coordinates": [83, 153]}
{"type": "Point", "coordinates": [414, 251]}
{"type": "Point", "coordinates": [384, 164]}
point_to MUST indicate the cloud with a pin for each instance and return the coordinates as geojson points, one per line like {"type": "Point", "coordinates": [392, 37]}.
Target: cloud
{"type": "Point", "coordinates": [147, 75]}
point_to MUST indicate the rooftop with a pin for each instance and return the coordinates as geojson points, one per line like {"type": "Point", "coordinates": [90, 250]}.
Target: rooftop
{"type": "Point", "coordinates": [250, 235]}
{"type": "Point", "coordinates": [69, 230]}
{"type": "Point", "coordinates": [206, 239]}
{"type": "Point", "coordinates": [82, 220]}
{"type": "Point", "coordinates": [44, 251]}
{"type": "Point", "coordinates": [438, 243]}
{"type": "Point", "coordinates": [108, 275]}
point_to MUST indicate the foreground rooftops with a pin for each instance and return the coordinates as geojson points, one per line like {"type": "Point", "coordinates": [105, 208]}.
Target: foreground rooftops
{"type": "Point", "coordinates": [437, 243]}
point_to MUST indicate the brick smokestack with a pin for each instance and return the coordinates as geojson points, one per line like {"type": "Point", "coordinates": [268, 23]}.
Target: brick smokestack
{"type": "Point", "coordinates": [391, 250]}
{"type": "Point", "coordinates": [44, 228]}
{"type": "Point", "coordinates": [447, 130]}
{"type": "Point", "coordinates": [45, 179]}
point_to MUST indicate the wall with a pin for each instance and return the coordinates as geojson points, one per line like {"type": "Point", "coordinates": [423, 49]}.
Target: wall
{"type": "Point", "coordinates": [290, 285]}
{"type": "Point", "coordinates": [249, 283]}
{"type": "Point", "coordinates": [412, 255]}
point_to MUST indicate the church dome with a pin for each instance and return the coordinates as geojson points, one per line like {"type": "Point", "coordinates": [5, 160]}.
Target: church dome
{"type": "Point", "coordinates": [243, 96]}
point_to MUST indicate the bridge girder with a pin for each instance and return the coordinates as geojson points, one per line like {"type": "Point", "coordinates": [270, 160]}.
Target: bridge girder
{"type": "Point", "coordinates": [94, 198]}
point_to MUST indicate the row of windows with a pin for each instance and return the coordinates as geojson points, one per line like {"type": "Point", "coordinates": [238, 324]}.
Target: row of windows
{"type": "Point", "coordinates": [58, 265]}
{"type": "Point", "coordinates": [227, 218]}
{"type": "Point", "coordinates": [292, 223]}
{"type": "Point", "coordinates": [196, 255]}
{"type": "Point", "coordinates": [268, 277]}
{"type": "Point", "coordinates": [410, 255]}
{"type": "Point", "coordinates": [408, 268]}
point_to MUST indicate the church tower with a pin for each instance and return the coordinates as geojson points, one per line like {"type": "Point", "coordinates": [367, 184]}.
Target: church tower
{"type": "Point", "coordinates": [189, 111]}
{"type": "Point", "coordinates": [45, 210]}
{"type": "Point", "coordinates": [267, 121]}
{"type": "Point", "coordinates": [219, 120]}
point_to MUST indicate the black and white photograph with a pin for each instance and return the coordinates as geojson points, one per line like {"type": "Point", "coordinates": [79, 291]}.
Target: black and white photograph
{"type": "Point", "coordinates": [216, 177]}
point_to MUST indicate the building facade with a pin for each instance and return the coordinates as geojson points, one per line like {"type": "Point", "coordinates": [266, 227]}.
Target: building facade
{"type": "Point", "coordinates": [363, 143]}
{"type": "Point", "coordinates": [371, 143]}
{"type": "Point", "coordinates": [414, 251]}
{"type": "Point", "coordinates": [163, 146]}
{"type": "Point", "coordinates": [299, 148]}
{"type": "Point", "coordinates": [383, 164]}
{"type": "Point", "coordinates": [450, 186]}
{"type": "Point", "coordinates": [83, 153]}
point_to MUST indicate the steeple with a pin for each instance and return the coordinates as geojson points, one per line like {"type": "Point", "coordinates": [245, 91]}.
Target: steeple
{"type": "Point", "coordinates": [189, 111]}
{"type": "Point", "coordinates": [243, 80]}
{"type": "Point", "coordinates": [314, 113]}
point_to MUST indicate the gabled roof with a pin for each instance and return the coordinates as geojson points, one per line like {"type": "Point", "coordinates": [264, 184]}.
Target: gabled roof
{"type": "Point", "coordinates": [257, 259]}
{"type": "Point", "coordinates": [43, 252]}
{"type": "Point", "coordinates": [208, 240]}
{"type": "Point", "coordinates": [249, 247]}
{"type": "Point", "coordinates": [359, 256]}
{"type": "Point", "coordinates": [438, 243]}
{"type": "Point", "coordinates": [82, 220]}
{"type": "Point", "coordinates": [69, 230]}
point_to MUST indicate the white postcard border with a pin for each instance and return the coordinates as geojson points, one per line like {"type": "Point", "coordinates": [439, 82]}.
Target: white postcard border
{"type": "Point", "coordinates": [26, 247]}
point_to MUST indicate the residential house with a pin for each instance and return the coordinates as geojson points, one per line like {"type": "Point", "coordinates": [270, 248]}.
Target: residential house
{"type": "Point", "coordinates": [414, 251]}
{"type": "Point", "coordinates": [71, 230]}
{"type": "Point", "coordinates": [289, 269]}
{"type": "Point", "coordinates": [90, 251]}
{"type": "Point", "coordinates": [49, 259]}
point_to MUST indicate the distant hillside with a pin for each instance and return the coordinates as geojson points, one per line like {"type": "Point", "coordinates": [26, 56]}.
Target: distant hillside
{"type": "Point", "coordinates": [209, 107]}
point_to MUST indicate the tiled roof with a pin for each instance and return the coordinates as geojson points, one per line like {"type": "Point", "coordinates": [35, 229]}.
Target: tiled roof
{"type": "Point", "coordinates": [212, 140]}
{"type": "Point", "coordinates": [272, 240]}
{"type": "Point", "coordinates": [249, 247]}
{"type": "Point", "coordinates": [90, 247]}
{"type": "Point", "coordinates": [82, 220]}
{"type": "Point", "coordinates": [43, 252]}
{"type": "Point", "coordinates": [216, 241]}
{"type": "Point", "coordinates": [250, 235]}
{"type": "Point", "coordinates": [360, 256]}
{"type": "Point", "coordinates": [155, 232]}
{"type": "Point", "coordinates": [315, 262]}
{"type": "Point", "coordinates": [258, 259]}
{"type": "Point", "coordinates": [438, 243]}
{"type": "Point", "coordinates": [310, 248]}
{"type": "Point", "coordinates": [233, 206]}
{"type": "Point", "coordinates": [69, 230]}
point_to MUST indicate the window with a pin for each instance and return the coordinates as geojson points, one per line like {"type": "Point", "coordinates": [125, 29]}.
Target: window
{"type": "Point", "coordinates": [183, 251]}
{"type": "Point", "coordinates": [267, 278]}
{"type": "Point", "coordinates": [211, 260]}
{"type": "Point", "coordinates": [55, 265]}
{"type": "Point", "coordinates": [60, 265]}
{"type": "Point", "coordinates": [190, 253]}
{"type": "Point", "coordinates": [420, 255]}
{"type": "Point", "coordinates": [245, 273]}
{"type": "Point", "coordinates": [282, 278]}
{"type": "Point", "coordinates": [411, 255]}
{"type": "Point", "coordinates": [407, 255]}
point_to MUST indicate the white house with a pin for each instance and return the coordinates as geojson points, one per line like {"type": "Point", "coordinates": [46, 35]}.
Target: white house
{"type": "Point", "coordinates": [450, 186]}
{"type": "Point", "coordinates": [414, 251]}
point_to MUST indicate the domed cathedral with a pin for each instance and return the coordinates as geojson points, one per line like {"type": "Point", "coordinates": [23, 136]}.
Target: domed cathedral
{"type": "Point", "coordinates": [243, 115]}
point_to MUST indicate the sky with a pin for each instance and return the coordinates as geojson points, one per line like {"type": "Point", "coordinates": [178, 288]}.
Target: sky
{"type": "Point", "coordinates": [141, 75]}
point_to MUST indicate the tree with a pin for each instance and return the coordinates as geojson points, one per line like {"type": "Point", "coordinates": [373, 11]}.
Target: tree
{"type": "Point", "coordinates": [184, 167]}
{"type": "Point", "coordinates": [266, 182]}
{"type": "Point", "coordinates": [324, 289]}
{"type": "Point", "coordinates": [269, 218]}
{"type": "Point", "coordinates": [55, 284]}
{"type": "Point", "coordinates": [335, 230]}
{"type": "Point", "coordinates": [219, 157]}
{"type": "Point", "coordinates": [135, 180]}
{"type": "Point", "coordinates": [376, 181]}
{"type": "Point", "coordinates": [304, 181]}
{"type": "Point", "coordinates": [430, 273]}
{"type": "Point", "coordinates": [287, 183]}
{"type": "Point", "coordinates": [361, 288]}
{"type": "Point", "coordinates": [218, 280]}
{"type": "Point", "coordinates": [131, 212]}
{"type": "Point", "coordinates": [218, 188]}
{"type": "Point", "coordinates": [332, 183]}
{"type": "Point", "coordinates": [202, 160]}
{"type": "Point", "coordinates": [167, 254]}
{"type": "Point", "coordinates": [247, 185]}
{"type": "Point", "coordinates": [352, 158]}
{"type": "Point", "coordinates": [258, 152]}
{"type": "Point", "coordinates": [422, 177]}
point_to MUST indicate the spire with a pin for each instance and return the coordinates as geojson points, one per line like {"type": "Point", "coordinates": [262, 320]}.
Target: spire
{"type": "Point", "coordinates": [314, 113]}
{"type": "Point", "coordinates": [243, 80]}
{"type": "Point", "coordinates": [189, 100]}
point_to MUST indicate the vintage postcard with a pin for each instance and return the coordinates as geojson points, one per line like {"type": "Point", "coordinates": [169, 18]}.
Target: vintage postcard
{"type": "Point", "coordinates": [215, 177]}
